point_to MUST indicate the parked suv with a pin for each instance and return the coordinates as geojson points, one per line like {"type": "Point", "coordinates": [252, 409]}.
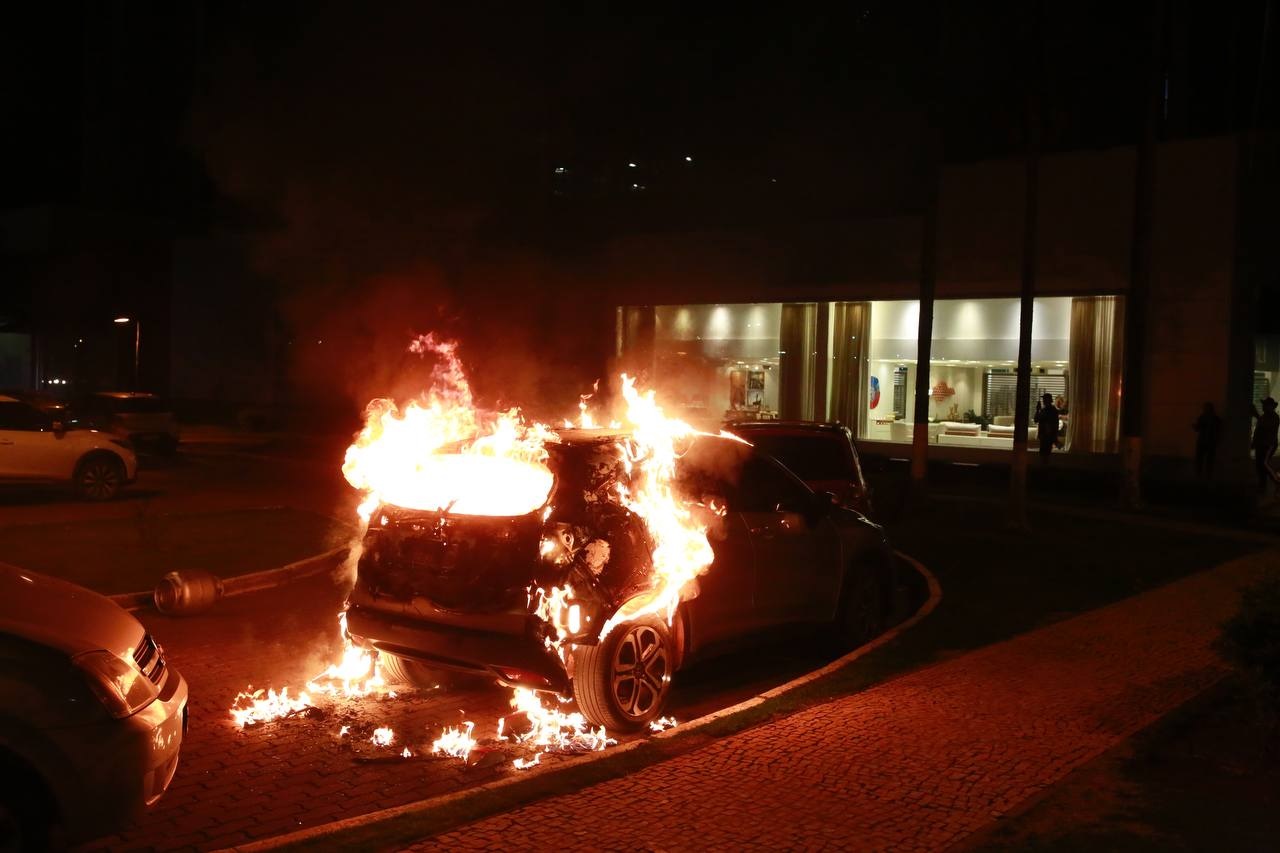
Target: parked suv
{"type": "Point", "coordinates": [93, 716]}
{"type": "Point", "coordinates": [452, 591]}
{"type": "Point", "coordinates": [145, 419]}
{"type": "Point", "coordinates": [822, 454]}
{"type": "Point", "coordinates": [37, 448]}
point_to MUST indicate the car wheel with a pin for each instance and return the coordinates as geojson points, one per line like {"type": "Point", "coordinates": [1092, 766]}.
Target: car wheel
{"type": "Point", "coordinates": [623, 682]}
{"type": "Point", "coordinates": [100, 478]}
{"type": "Point", "coordinates": [26, 821]}
{"type": "Point", "coordinates": [860, 617]}
{"type": "Point", "coordinates": [415, 673]}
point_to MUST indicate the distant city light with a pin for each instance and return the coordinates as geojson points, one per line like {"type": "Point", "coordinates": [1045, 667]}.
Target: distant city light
{"type": "Point", "coordinates": [631, 165]}
{"type": "Point", "coordinates": [559, 170]}
{"type": "Point", "coordinates": [688, 159]}
{"type": "Point", "coordinates": [122, 320]}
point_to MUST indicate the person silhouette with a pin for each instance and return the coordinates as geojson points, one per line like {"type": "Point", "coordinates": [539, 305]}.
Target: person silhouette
{"type": "Point", "coordinates": [1208, 429]}
{"type": "Point", "coordinates": [1265, 436]}
{"type": "Point", "coordinates": [1047, 426]}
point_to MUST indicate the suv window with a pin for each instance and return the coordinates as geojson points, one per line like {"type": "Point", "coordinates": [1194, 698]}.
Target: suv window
{"type": "Point", "coordinates": [766, 486]}
{"type": "Point", "coordinates": [810, 457]}
{"type": "Point", "coordinates": [20, 416]}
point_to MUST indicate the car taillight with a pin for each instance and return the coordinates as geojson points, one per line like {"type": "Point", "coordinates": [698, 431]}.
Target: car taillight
{"type": "Point", "coordinates": [118, 684]}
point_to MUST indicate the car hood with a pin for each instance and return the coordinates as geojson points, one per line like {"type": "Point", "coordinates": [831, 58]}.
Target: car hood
{"type": "Point", "coordinates": [64, 616]}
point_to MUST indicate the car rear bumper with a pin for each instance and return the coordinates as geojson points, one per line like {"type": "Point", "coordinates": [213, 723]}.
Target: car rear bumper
{"type": "Point", "coordinates": [513, 659]}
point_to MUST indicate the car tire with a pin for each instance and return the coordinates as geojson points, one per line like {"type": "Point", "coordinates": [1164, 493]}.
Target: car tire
{"type": "Point", "coordinates": [861, 614]}
{"type": "Point", "coordinates": [99, 477]}
{"type": "Point", "coordinates": [401, 670]}
{"type": "Point", "coordinates": [623, 682]}
{"type": "Point", "coordinates": [26, 818]}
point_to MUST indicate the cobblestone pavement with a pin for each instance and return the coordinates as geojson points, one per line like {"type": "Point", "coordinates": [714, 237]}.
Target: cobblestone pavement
{"type": "Point", "coordinates": [918, 763]}
{"type": "Point", "coordinates": [234, 786]}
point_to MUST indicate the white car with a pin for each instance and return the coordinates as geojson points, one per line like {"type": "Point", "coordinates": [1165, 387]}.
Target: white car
{"type": "Point", "coordinates": [36, 448]}
{"type": "Point", "coordinates": [92, 717]}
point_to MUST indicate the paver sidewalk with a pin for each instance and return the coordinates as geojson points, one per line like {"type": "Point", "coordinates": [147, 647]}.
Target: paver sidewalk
{"type": "Point", "coordinates": [919, 763]}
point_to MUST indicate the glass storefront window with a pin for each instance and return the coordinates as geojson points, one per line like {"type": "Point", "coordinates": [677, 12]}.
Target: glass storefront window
{"type": "Point", "coordinates": [856, 362]}
{"type": "Point", "coordinates": [718, 362]}
{"type": "Point", "coordinates": [1075, 357]}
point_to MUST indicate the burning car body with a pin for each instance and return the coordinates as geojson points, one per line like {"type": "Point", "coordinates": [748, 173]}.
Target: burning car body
{"type": "Point", "coordinates": [589, 563]}
{"type": "Point", "coordinates": [579, 565]}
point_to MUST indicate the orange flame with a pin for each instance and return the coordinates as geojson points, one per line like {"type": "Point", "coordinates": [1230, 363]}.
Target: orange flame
{"type": "Point", "coordinates": [552, 730]}
{"type": "Point", "coordinates": [681, 550]}
{"type": "Point", "coordinates": [259, 707]}
{"type": "Point", "coordinates": [455, 742]}
{"type": "Point", "coordinates": [440, 452]}
{"type": "Point", "coordinates": [355, 674]}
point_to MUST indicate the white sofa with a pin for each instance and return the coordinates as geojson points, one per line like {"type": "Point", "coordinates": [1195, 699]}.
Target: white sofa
{"type": "Point", "coordinates": [903, 432]}
{"type": "Point", "coordinates": [1004, 431]}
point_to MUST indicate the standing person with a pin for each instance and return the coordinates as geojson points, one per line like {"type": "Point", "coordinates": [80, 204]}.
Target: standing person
{"type": "Point", "coordinates": [1265, 436]}
{"type": "Point", "coordinates": [1208, 429]}
{"type": "Point", "coordinates": [1047, 426]}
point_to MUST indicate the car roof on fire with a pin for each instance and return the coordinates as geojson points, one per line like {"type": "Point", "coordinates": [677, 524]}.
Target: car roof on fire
{"type": "Point", "coordinates": [603, 435]}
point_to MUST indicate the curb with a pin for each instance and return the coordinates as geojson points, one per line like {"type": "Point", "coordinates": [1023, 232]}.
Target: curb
{"type": "Point", "coordinates": [253, 582]}
{"type": "Point", "coordinates": [315, 833]}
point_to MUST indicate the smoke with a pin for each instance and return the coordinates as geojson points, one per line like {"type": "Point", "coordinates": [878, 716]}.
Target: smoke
{"type": "Point", "coordinates": [387, 161]}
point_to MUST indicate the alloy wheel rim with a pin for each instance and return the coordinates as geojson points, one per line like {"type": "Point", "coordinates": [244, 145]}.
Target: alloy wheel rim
{"type": "Point", "coordinates": [99, 480]}
{"type": "Point", "coordinates": [640, 671]}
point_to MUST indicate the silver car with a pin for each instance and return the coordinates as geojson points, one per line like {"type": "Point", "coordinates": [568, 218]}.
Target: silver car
{"type": "Point", "coordinates": [91, 716]}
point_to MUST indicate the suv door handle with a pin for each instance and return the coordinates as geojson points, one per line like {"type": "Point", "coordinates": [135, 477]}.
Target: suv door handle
{"type": "Point", "coordinates": [5, 441]}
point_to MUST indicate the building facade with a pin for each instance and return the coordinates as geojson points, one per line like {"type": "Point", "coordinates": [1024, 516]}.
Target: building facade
{"type": "Point", "coordinates": [824, 323]}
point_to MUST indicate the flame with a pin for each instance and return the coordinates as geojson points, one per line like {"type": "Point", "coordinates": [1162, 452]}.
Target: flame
{"type": "Point", "coordinates": [662, 724]}
{"type": "Point", "coordinates": [552, 730]}
{"type": "Point", "coordinates": [355, 674]}
{"type": "Point", "coordinates": [681, 550]}
{"type": "Point", "coordinates": [455, 742]}
{"type": "Point", "coordinates": [440, 452]}
{"type": "Point", "coordinates": [257, 707]}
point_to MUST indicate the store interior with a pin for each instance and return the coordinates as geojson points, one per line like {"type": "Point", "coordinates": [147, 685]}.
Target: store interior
{"type": "Point", "coordinates": [857, 362]}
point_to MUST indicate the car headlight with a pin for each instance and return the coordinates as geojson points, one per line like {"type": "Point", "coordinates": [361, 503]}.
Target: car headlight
{"type": "Point", "coordinates": [118, 684]}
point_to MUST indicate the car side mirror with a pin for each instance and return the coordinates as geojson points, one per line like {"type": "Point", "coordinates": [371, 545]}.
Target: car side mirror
{"type": "Point", "coordinates": [823, 503]}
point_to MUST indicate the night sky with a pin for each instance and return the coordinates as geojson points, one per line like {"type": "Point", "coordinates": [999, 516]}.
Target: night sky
{"type": "Point", "coordinates": [357, 141]}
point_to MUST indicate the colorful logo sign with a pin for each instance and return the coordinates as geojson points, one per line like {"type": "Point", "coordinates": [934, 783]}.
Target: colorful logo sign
{"type": "Point", "coordinates": [875, 392]}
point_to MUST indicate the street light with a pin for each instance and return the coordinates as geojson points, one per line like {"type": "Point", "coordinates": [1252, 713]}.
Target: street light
{"type": "Point", "coordinates": [137, 344]}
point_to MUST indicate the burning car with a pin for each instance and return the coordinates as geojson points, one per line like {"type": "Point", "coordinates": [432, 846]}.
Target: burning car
{"type": "Point", "coordinates": [547, 582]}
